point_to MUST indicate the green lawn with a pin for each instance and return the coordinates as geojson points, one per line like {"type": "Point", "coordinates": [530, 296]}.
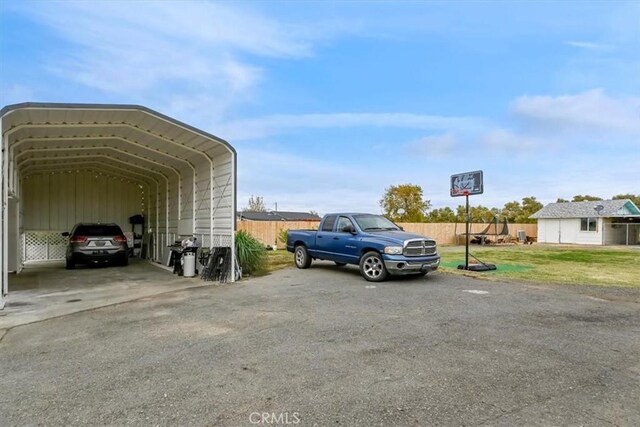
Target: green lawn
{"type": "Point", "coordinates": [602, 266]}
{"type": "Point", "coordinates": [536, 263]}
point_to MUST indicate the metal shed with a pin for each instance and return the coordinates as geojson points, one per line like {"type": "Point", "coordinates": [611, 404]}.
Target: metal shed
{"type": "Point", "coordinates": [69, 163]}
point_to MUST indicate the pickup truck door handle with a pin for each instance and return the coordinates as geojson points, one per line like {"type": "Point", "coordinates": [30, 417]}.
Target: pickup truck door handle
{"type": "Point", "coordinates": [319, 237]}
{"type": "Point", "coordinates": [336, 238]}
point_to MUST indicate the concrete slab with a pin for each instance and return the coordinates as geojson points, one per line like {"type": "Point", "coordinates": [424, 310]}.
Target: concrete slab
{"type": "Point", "coordinates": [49, 290]}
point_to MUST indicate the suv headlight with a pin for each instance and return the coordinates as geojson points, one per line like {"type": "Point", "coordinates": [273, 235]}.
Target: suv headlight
{"type": "Point", "coordinates": [393, 250]}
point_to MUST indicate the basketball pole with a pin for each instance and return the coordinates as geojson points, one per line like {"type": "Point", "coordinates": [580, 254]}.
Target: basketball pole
{"type": "Point", "coordinates": [466, 253]}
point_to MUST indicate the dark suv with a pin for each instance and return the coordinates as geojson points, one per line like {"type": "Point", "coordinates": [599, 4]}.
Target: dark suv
{"type": "Point", "coordinates": [95, 243]}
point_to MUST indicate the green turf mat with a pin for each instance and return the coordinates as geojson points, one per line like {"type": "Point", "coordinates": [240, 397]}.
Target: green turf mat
{"type": "Point", "coordinates": [502, 268]}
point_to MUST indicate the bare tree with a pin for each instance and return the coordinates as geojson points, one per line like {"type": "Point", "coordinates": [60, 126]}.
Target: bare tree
{"type": "Point", "coordinates": [256, 204]}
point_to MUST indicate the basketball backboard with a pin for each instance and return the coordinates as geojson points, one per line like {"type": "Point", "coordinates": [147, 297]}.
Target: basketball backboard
{"type": "Point", "coordinates": [468, 183]}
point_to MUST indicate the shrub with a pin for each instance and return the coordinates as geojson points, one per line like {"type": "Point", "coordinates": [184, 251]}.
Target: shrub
{"type": "Point", "coordinates": [282, 236]}
{"type": "Point", "coordinates": [252, 256]}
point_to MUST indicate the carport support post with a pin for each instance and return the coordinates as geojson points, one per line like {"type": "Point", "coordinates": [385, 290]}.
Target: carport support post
{"type": "Point", "coordinates": [4, 227]}
{"type": "Point", "coordinates": [466, 246]}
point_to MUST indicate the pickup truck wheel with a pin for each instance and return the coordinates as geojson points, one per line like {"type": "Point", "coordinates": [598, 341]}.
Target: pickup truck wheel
{"type": "Point", "coordinates": [372, 267]}
{"type": "Point", "coordinates": [301, 257]}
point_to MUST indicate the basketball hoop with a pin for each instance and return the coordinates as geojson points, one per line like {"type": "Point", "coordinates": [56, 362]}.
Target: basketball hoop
{"type": "Point", "coordinates": [466, 184]}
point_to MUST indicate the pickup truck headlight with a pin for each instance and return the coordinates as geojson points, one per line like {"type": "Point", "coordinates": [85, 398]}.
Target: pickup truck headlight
{"type": "Point", "coordinates": [393, 250]}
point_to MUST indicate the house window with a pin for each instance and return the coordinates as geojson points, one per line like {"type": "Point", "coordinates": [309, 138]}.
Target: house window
{"type": "Point", "coordinates": [588, 224]}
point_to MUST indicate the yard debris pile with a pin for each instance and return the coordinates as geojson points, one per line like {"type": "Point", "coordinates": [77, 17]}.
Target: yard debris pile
{"type": "Point", "coordinates": [217, 265]}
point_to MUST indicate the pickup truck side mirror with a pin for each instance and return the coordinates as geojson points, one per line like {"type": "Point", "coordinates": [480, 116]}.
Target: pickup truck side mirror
{"type": "Point", "coordinates": [401, 228]}
{"type": "Point", "coordinates": [349, 229]}
{"type": "Point", "coordinates": [65, 234]}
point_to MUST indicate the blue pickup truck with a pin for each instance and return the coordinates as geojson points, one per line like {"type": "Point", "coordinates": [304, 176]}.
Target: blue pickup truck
{"type": "Point", "coordinates": [370, 241]}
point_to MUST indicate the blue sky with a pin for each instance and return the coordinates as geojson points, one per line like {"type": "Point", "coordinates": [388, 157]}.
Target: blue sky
{"type": "Point", "coordinates": [328, 103]}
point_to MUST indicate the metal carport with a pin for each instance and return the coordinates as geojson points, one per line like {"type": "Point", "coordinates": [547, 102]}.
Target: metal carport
{"type": "Point", "coordinates": [67, 163]}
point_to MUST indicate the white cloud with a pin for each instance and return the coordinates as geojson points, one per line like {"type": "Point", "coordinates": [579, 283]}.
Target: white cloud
{"type": "Point", "coordinates": [144, 50]}
{"type": "Point", "coordinates": [435, 145]}
{"type": "Point", "coordinates": [589, 45]}
{"type": "Point", "coordinates": [185, 22]}
{"type": "Point", "coordinates": [584, 176]}
{"type": "Point", "coordinates": [283, 123]}
{"type": "Point", "coordinates": [332, 200]}
{"type": "Point", "coordinates": [589, 111]}
{"type": "Point", "coordinates": [502, 139]}
{"type": "Point", "coordinates": [346, 182]}
{"type": "Point", "coordinates": [305, 183]}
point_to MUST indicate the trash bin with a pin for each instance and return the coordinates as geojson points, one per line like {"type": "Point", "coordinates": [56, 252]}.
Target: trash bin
{"type": "Point", "coordinates": [189, 266]}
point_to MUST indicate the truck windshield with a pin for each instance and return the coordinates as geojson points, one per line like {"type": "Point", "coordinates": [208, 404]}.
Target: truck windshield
{"type": "Point", "coordinates": [374, 223]}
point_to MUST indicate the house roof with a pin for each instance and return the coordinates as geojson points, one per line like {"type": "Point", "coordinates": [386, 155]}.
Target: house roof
{"type": "Point", "coordinates": [298, 216]}
{"type": "Point", "coordinates": [610, 208]}
{"type": "Point", "coordinates": [278, 216]}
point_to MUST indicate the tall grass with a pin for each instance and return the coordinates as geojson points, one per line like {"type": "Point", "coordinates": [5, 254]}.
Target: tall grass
{"type": "Point", "coordinates": [252, 255]}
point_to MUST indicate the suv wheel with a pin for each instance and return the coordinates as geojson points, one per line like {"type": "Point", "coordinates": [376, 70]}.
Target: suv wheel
{"type": "Point", "coordinates": [70, 264]}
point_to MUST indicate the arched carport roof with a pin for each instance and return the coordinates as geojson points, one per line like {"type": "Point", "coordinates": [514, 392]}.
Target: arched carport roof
{"type": "Point", "coordinates": [135, 132]}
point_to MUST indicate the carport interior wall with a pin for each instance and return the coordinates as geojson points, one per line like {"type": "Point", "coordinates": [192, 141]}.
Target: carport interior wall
{"type": "Point", "coordinates": [67, 163]}
{"type": "Point", "coordinates": [55, 200]}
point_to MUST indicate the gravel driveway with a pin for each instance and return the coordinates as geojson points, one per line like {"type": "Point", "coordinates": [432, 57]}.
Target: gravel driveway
{"type": "Point", "coordinates": [323, 347]}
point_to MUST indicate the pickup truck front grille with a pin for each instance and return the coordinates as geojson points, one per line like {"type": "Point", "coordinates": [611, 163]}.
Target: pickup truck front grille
{"type": "Point", "coordinates": [420, 248]}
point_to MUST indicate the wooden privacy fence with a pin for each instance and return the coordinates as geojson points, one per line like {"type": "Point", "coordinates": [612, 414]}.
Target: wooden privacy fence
{"type": "Point", "coordinates": [447, 233]}
{"type": "Point", "coordinates": [443, 233]}
{"type": "Point", "coordinates": [268, 231]}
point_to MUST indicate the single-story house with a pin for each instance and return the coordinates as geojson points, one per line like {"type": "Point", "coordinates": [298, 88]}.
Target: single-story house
{"type": "Point", "coordinates": [602, 222]}
{"type": "Point", "coordinates": [277, 216]}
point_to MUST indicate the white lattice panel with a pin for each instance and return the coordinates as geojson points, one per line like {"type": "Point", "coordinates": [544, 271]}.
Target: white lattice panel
{"type": "Point", "coordinates": [205, 240]}
{"type": "Point", "coordinates": [36, 247]}
{"type": "Point", "coordinates": [44, 246]}
{"type": "Point", "coordinates": [222, 240]}
{"type": "Point", "coordinates": [218, 240]}
{"type": "Point", "coordinates": [57, 246]}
